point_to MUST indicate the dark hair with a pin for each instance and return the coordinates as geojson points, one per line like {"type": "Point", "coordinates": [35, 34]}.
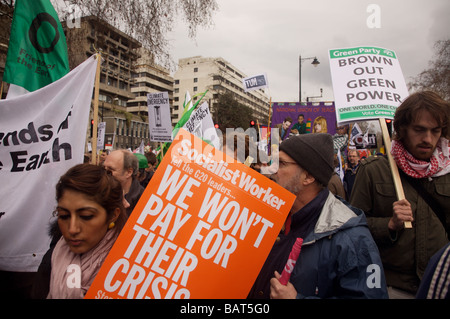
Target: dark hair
{"type": "Point", "coordinates": [96, 183]}
{"type": "Point", "coordinates": [288, 119]}
{"type": "Point", "coordinates": [151, 158]}
{"type": "Point", "coordinates": [409, 110]}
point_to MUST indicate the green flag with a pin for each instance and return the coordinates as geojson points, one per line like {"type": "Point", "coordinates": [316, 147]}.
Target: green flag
{"type": "Point", "coordinates": [184, 118]}
{"type": "Point", "coordinates": [37, 53]}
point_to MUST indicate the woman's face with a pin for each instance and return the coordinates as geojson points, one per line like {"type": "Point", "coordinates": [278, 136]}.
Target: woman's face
{"type": "Point", "coordinates": [317, 128]}
{"type": "Point", "coordinates": [82, 221]}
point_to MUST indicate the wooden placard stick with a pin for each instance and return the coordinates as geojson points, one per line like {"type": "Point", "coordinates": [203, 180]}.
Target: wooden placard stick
{"type": "Point", "coordinates": [394, 169]}
{"type": "Point", "coordinates": [96, 94]}
{"type": "Point", "coordinates": [248, 161]}
{"type": "Point", "coordinates": [268, 122]}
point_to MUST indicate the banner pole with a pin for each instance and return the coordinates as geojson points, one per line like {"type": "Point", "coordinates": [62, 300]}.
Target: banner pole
{"type": "Point", "coordinates": [96, 94]}
{"type": "Point", "coordinates": [268, 124]}
{"type": "Point", "coordinates": [394, 169]}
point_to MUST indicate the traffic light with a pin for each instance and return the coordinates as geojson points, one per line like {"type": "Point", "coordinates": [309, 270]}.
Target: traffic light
{"type": "Point", "coordinates": [216, 125]}
{"type": "Point", "coordinates": [389, 126]}
{"type": "Point", "coordinates": [252, 123]}
{"type": "Point", "coordinates": [92, 126]}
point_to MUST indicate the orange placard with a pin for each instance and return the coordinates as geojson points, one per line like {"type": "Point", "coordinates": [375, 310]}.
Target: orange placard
{"type": "Point", "coordinates": [202, 229]}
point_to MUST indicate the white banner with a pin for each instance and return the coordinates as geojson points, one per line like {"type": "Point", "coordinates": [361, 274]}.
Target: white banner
{"type": "Point", "coordinates": [255, 82]}
{"type": "Point", "coordinates": [42, 135]}
{"type": "Point", "coordinates": [201, 125]}
{"type": "Point", "coordinates": [101, 136]}
{"type": "Point", "coordinates": [159, 117]}
{"type": "Point", "coordinates": [368, 83]}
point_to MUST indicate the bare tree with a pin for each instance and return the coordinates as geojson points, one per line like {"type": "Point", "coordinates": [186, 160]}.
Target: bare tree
{"type": "Point", "coordinates": [437, 76]}
{"type": "Point", "coordinates": [149, 21]}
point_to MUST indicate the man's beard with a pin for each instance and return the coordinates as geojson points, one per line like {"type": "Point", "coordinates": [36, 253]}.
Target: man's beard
{"type": "Point", "coordinates": [292, 185]}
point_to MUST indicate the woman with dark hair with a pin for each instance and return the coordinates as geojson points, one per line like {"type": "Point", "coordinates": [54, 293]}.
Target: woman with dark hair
{"type": "Point", "coordinates": [90, 215]}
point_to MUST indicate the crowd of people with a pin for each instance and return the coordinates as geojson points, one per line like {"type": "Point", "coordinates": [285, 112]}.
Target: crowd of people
{"type": "Point", "coordinates": [355, 244]}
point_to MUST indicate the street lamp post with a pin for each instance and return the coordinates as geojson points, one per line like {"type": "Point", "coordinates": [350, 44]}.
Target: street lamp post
{"type": "Point", "coordinates": [315, 63]}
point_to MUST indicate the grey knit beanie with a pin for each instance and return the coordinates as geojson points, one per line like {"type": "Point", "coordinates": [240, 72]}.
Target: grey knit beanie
{"type": "Point", "coordinates": [313, 152]}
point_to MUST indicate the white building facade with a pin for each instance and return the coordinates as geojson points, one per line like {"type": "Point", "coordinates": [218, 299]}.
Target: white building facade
{"type": "Point", "coordinates": [198, 74]}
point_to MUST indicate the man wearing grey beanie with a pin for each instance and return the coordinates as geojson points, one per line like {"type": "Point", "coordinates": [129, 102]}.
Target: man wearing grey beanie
{"type": "Point", "coordinates": [339, 258]}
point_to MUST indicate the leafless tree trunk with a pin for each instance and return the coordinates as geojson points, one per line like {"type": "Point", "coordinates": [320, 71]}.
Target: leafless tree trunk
{"type": "Point", "coordinates": [437, 76]}
{"type": "Point", "coordinates": [149, 21]}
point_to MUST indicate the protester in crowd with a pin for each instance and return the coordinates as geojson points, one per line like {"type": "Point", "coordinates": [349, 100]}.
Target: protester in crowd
{"type": "Point", "coordinates": [152, 162]}
{"type": "Point", "coordinates": [435, 283]}
{"type": "Point", "coordinates": [340, 139]}
{"type": "Point", "coordinates": [335, 184]}
{"type": "Point", "coordinates": [421, 151]}
{"type": "Point", "coordinates": [336, 187]}
{"type": "Point", "coordinates": [283, 127]}
{"type": "Point", "coordinates": [300, 126]}
{"type": "Point", "coordinates": [41, 284]}
{"type": "Point", "coordinates": [102, 156]}
{"type": "Point", "coordinates": [350, 170]}
{"type": "Point", "coordinates": [320, 125]}
{"type": "Point", "coordinates": [338, 254]}
{"type": "Point", "coordinates": [142, 176]}
{"type": "Point", "coordinates": [124, 166]}
{"type": "Point", "coordinates": [87, 158]}
{"type": "Point", "coordinates": [90, 215]}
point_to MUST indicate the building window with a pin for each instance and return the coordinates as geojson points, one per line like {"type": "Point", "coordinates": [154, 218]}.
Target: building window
{"type": "Point", "coordinates": [195, 80]}
{"type": "Point", "coordinates": [177, 82]}
{"type": "Point", "coordinates": [112, 82]}
{"type": "Point", "coordinates": [104, 98]}
{"type": "Point", "coordinates": [195, 89]}
{"type": "Point", "coordinates": [195, 69]}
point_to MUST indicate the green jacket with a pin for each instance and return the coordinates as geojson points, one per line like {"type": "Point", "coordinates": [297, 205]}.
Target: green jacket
{"type": "Point", "coordinates": [405, 254]}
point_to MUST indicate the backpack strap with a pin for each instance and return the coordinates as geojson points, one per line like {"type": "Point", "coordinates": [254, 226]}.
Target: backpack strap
{"type": "Point", "coordinates": [434, 205]}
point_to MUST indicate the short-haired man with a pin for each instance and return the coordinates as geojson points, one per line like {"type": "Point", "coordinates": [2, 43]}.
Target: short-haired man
{"type": "Point", "coordinates": [124, 166]}
{"type": "Point", "coordinates": [338, 258]}
{"type": "Point", "coordinates": [421, 151]}
{"type": "Point", "coordinates": [283, 127]}
{"type": "Point", "coordinates": [350, 171]}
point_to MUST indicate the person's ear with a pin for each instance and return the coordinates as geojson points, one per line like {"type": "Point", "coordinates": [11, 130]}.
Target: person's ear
{"type": "Point", "coordinates": [129, 172]}
{"type": "Point", "coordinates": [308, 178]}
{"type": "Point", "coordinates": [115, 215]}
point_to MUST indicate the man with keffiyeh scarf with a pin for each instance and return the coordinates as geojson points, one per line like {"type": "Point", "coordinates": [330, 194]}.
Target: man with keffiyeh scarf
{"type": "Point", "coordinates": [420, 149]}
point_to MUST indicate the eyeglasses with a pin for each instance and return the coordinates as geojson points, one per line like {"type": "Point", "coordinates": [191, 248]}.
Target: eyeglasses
{"type": "Point", "coordinates": [285, 164]}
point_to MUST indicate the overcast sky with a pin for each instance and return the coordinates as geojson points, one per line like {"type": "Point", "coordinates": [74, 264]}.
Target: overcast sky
{"type": "Point", "coordinates": [267, 36]}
